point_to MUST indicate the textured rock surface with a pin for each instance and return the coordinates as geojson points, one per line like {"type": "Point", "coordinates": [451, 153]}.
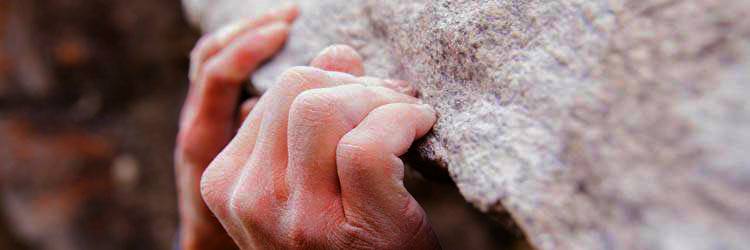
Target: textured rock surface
{"type": "Point", "coordinates": [596, 124]}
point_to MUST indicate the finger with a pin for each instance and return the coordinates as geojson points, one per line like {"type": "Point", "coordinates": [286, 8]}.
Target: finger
{"type": "Point", "coordinates": [397, 85]}
{"type": "Point", "coordinates": [269, 138]}
{"type": "Point", "coordinates": [216, 95]}
{"type": "Point", "coordinates": [344, 59]}
{"type": "Point", "coordinates": [269, 151]}
{"type": "Point", "coordinates": [368, 166]}
{"type": "Point", "coordinates": [224, 173]}
{"type": "Point", "coordinates": [317, 121]}
{"type": "Point", "coordinates": [230, 171]}
{"type": "Point", "coordinates": [210, 108]}
{"type": "Point", "coordinates": [234, 171]}
{"type": "Point", "coordinates": [248, 50]}
{"type": "Point", "coordinates": [340, 58]}
{"type": "Point", "coordinates": [211, 44]}
{"type": "Point", "coordinates": [245, 109]}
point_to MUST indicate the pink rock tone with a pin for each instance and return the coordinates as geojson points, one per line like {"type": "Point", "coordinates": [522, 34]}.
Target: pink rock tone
{"type": "Point", "coordinates": [595, 124]}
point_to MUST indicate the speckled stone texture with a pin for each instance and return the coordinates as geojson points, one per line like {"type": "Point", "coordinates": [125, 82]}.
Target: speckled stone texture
{"type": "Point", "coordinates": [596, 124]}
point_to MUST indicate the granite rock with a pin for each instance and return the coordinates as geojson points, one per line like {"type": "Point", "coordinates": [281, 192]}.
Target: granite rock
{"type": "Point", "coordinates": [606, 124]}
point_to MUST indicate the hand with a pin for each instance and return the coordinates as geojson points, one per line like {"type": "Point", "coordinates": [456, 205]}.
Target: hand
{"type": "Point", "coordinates": [219, 65]}
{"type": "Point", "coordinates": [315, 164]}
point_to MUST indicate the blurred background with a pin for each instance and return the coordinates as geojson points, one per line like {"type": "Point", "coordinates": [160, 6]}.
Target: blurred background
{"type": "Point", "coordinates": [89, 97]}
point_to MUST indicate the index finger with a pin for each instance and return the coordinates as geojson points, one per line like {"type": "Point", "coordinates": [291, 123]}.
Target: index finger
{"type": "Point", "coordinates": [211, 44]}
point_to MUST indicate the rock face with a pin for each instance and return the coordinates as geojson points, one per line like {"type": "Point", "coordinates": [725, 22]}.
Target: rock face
{"type": "Point", "coordinates": [596, 124]}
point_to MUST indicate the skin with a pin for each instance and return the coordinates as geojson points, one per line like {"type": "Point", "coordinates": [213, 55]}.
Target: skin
{"type": "Point", "coordinates": [313, 163]}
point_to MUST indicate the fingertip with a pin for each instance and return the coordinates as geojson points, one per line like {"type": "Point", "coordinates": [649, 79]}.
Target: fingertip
{"type": "Point", "coordinates": [293, 12]}
{"type": "Point", "coordinates": [246, 52]}
{"type": "Point", "coordinates": [288, 12]}
{"type": "Point", "coordinates": [340, 58]}
{"type": "Point", "coordinates": [428, 117]}
{"type": "Point", "coordinates": [266, 41]}
{"type": "Point", "coordinates": [428, 110]}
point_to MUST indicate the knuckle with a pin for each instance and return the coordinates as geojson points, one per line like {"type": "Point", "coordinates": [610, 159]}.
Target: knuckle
{"type": "Point", "coordinates": [351, 153]}
{"type": "Point", "coordinates": [197, 52]}
{"type": "Point", "coordinates": [300, 77]}
{"type": "Point", "coordinates": [357, 89]}
{"type": "Point", "coordinates": [243, 208]}
{"type": "Point", "coordinates": [393, 108]}
{"type": "Point", "coordinates": [247, 204]}
{"type": "Point", "coordinates": [216, 187]}
{"type": "Point", "coordinates": [210, 187]}
{"type": "Point", "coordinates": [213, 72]}
{"type": "Point", "coordinates": [314, 107]}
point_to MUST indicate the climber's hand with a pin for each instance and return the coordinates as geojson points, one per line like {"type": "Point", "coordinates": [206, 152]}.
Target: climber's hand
{"type": "Point", "coordinates": [315, 164]}
{"type": "Point", "coordinates": [219, 65]}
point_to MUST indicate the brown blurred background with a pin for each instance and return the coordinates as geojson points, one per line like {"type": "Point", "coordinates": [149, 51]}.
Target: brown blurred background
{"type": "Point", "coordinates": [89, 97]}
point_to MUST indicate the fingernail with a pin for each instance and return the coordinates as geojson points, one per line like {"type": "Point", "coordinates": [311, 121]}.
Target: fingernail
{"type": "Point", "coordinates": [400, 86]}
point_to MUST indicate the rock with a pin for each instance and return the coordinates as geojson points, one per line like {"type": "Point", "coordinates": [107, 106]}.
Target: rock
{"type": "Point", "coordinates": [596, 124]}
